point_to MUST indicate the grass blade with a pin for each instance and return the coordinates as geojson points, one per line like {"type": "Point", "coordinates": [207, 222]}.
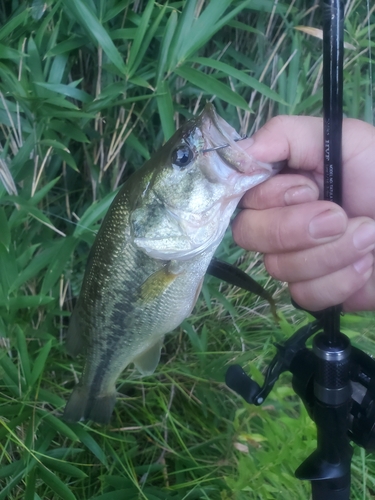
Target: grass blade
{"type": "Point", "coordinates": [212, 86]}
{"type": "Point", "coordinates": [248, 80]}
{"type": "Point", "coordinates": [39, 363]}
{"type": "Point", "coordinates": [55, 483]}
{"type": "Point", "coordinates": [165, 108]}
{"type": "Point", "coordinates": [85, 16]}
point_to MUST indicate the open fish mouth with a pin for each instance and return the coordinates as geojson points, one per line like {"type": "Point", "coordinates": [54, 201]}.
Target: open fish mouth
{"type": "Point", "coordinates": [223, 139]}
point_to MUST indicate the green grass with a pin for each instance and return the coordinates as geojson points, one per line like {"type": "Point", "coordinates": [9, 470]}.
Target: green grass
{"type": "Point", "coordinates": [89, 89]}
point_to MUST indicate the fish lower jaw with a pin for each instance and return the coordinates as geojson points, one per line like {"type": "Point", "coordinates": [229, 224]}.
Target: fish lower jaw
{"type": "Point", "coordinates": [186, 252]}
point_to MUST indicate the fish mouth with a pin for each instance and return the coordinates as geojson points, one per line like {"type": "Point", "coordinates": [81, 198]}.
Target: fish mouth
{"type": "Point", "coordinates": [222, 139]}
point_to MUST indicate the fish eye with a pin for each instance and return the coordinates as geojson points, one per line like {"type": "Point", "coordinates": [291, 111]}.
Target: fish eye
{"type": "Point", "coordinates": [182, 156]}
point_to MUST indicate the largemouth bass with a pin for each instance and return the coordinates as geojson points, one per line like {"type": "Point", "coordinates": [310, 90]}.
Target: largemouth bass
{"type": "Point", "coordinates": [146, 267]}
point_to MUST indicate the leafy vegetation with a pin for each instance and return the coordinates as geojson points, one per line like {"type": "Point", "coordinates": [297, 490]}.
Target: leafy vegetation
{"type": "Point", "coordinates": [88, 90]}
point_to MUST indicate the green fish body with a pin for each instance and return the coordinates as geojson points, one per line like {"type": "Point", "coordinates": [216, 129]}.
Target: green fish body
{"type": "Point", "coordinates": [148, 261]}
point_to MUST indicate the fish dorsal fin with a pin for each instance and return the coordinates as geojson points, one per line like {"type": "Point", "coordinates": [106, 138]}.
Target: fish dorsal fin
{"type": "Point", "coordinates": [147, 362]}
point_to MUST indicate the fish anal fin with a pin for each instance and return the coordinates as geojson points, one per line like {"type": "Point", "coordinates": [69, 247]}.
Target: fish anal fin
{"type": "Point", "coordinates": [147, 362]}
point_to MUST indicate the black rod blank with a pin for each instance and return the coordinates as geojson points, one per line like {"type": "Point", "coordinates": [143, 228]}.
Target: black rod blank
{"type": "Point", "coordinates": [333, 50]}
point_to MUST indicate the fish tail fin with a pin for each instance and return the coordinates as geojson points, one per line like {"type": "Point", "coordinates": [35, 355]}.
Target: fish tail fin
{"type": "Point", "coordinates": [82, 406]}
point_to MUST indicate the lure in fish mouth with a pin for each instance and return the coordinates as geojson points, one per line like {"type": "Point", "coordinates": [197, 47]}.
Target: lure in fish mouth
{"type": "Point", "coordinates": [147, 264]}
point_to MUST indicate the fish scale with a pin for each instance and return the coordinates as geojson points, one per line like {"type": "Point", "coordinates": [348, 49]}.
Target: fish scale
{"type": "Point", "coordinates": [147, 264]}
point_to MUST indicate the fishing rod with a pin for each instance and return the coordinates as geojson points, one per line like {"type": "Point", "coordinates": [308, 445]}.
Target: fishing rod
{"type": "Point", "coordinates": [335, 380]}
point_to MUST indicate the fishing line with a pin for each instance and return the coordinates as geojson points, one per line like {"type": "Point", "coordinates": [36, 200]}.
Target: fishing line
{"type": "Point", "coordinates": [224, 145]}
{"type": "Point", "coordinates": [49, 214]}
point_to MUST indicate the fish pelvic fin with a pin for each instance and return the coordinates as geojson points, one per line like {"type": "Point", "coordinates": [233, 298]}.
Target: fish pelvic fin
{"type": "Point", "coordinates": [75, 341]}
{"type": "Point", "coordinates": [82, 406]}
{"type": "Point", "coordinates": [147, 362]}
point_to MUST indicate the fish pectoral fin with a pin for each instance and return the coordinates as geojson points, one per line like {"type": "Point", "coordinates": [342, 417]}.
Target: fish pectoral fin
{"type": "Point", "coordinates": [147, 362]}
{"type": "Point", "coordinates": [156, 284]}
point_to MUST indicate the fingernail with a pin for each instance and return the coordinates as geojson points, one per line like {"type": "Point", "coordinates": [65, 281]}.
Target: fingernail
{"type": "Point", "coordinates": [299, 194]}
{"type": "Point", "coordinates": [329, 223]}
{"type": "Point", "coordinates": [364, 236]}
{"type": "Point", "coordinates": [364, 264]}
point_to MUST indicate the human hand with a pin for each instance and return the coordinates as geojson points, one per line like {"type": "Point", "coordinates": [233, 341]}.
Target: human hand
{"type": "Point", "coordinates": [325, 254]}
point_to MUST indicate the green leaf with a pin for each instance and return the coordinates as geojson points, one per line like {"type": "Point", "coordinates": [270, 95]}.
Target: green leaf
{"type": "Point", "coordinates": [181, 33]}
{"type": "Point", "coordinates": [4, 229]}
{"type": "Point", "coordinates": [8, 268]}
{"type": "Point", "coordinates": [165, 108]}
{"type": "Point", "coordinates": [94, 213]}
{"type": "Point", "coordinates": [60, 102]}
{"type": "Point", "coordinates": [224, 301]}
{"type": "Point", "coordinates": [241, 76]}
{"type": "Point", "coordinates": [11, 371]}
{"type": "Point", "coordinates": [39, 363]}
{"type": "Point", "coordinates": [191, 34]}
{"type": "Point", "coordinates": [14, 422]}
{"type": "Point", "coordinates": [51, 398]}
{"type": "Point", "coordinates": [15, 480]}
{"type": "Point", "coordinates": [245, 27]}
{"type": "Point", "coordinates": [67, 91]}
{"type": "Point", "coordinates": [212, 86]}
{"type": "Point", "coordinates": [33, 211]}
{"type": "Point", "coordinates": [23, 354]}
{"type": "Point", "coordinates": [62, 466]}
{"type": "Point", "coordinates": [58, 264]}
{"type": "Point", "coordinates": [25, 301]}
{"type": "Point", "coordinates": [90, 443]}
{"type": "Point", "coordinates": [72, 43]}
{"type": "Point", "coordinates": [55, 483]}
{"type": "Point", "coordinates": [147, 37]}
{"type": "Point", "coordinates": [58, 425]}
{"type": "Point", "coordinates": [139, 37]}
{"type": "Point", "coordinates": [134, 143]}
{"type": "Point", "coordinates": [55, 144]}
{"type": "Point", "coordinates": [38, 262]}
{"type": "Point", "coordinates": [68, 129]}
{"type": "Point", "coordinates": [8, 53]}
{"type": "Point", "coordinates": [11, 25]}
{"type": "Point", "coordinates": [166, 46]}
{"type": "Point", "coordinates": [119, 494]}
{"type": "Point", "coordinates": [85, 16]}
{"type": "Point", "coordinates": [9, 470]}
{"type": "Point", "coordinates": [30, 485]}
{"type": "Point", "coordinates": [43, 191]}
{"type": "Point", "coordinates": [35, 64]}
{"type": "Point", "coordinates": [57, 70]}
{"type": "Point", "coordinates": [198, 342]}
